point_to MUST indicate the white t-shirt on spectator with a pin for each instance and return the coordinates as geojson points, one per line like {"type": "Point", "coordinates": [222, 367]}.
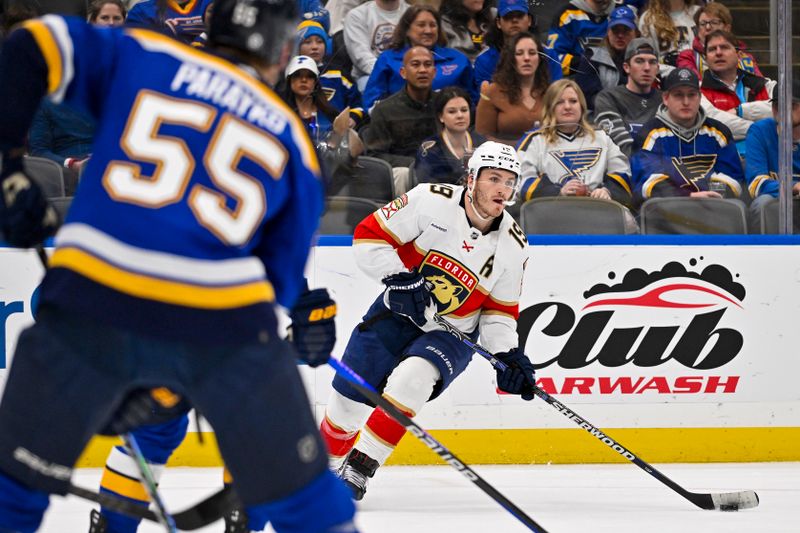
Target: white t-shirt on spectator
{"type": "Point", "coordinates": [368, 31]}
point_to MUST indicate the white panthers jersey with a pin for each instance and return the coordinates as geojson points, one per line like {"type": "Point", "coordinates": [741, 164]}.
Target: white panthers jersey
{"type": "Point", "coordinates": [476, 277]}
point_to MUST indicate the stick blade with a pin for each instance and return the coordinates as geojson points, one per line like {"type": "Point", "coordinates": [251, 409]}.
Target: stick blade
{"type": "Point", "coordinates": [735, 501]}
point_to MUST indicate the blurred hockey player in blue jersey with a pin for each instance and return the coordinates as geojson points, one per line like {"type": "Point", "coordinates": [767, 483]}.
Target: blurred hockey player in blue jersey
{"type": "Point", "coordinates": [193, 218]}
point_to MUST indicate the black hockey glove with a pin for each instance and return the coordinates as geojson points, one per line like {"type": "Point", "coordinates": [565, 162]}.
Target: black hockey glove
{"type": "Point", "coordinates": [313, 329]}
{"type": "Point", "coordinates": [407, 294]}
{"type": "Point", "coordinates": [145, 407]}
{"type": "Point", "coordinates": [519, 376]}
{"type": "Point", "coordinates": [26, 218]}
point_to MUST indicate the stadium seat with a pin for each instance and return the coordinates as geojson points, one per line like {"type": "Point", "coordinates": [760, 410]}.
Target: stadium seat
{"type": "Point", "coordinates": [61, 205]}
{"type": "Point", "coordinates": [693, 216]}
{"type": "Point", "coordinates": [48, 174]}
{"type": "Point", "coordinates": [368, 177]}
{"type": "Point", "coordinates": [343, 213]}
{"type": "Point", "coordinates": [765, 220]}
{"type": "Point", "coordinates": [573, 216]}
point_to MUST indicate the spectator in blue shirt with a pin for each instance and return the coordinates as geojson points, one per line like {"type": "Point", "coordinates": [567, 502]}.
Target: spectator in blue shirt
{"type": "Point", "coordinates": [761, 165]}
{"type": "Point", "coordinates": [420, 25]}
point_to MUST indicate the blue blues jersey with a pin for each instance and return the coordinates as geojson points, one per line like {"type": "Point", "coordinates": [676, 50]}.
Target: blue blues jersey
{"type": "Point", "coordinates": [574, 29]}
{"type": "Point", "coordinates": [184, 22]}
{"type": "Point", "coordinates": [342, 93]}
{"type": "Point", "coordinates": [761, 165]}
{"type": "Point", "coordinates": [665, 164]}
{"type": "Point", "coordinates": [198, 206]}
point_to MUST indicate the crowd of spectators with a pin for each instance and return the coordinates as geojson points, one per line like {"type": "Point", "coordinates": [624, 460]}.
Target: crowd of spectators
{"type": "Point", "coordinates": [624, 100]}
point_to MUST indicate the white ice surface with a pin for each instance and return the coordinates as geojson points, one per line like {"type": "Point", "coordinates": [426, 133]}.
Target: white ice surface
{"type": "Point", "coordinates": [562, 498]}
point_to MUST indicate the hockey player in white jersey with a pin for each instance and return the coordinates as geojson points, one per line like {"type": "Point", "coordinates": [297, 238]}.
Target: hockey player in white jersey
{"type": "Point", "coordinates": [438, 248]}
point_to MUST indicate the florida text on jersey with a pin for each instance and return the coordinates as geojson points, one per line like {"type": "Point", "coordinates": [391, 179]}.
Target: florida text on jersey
{"type": "Point", "coordinates": [476, 278]}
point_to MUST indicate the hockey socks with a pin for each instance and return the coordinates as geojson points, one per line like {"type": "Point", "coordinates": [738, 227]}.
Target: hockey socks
{"type": "Point", "coordinates": [382, 434]}
{"type": "Point", "coordinates": [121, 478]}
{"type": "Point", "coordinates": [21, 508]}
{"type": "Point", "coordinates": [338, 441]}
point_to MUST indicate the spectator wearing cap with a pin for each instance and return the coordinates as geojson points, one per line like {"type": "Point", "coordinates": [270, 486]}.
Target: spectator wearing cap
{"type": "Point", "coordinates": [578, 25]}
{"type": "Point", "coordinates": [681, 152]}
{"type": "Point", "coordinates": [761, 167]}
{"type": "Point", "coordinates": [711, 17]}
{"type": "Point", "coordinates": [601, 67]}
{"type": "Point", "coordinates": [420, 25]}
{"type": "Point", "coordinates": [303, 93]}
{"type": "Point", "coordinates": [368, 31]}
{"type": "Point", "coordinates": [465, 23]}
{"type": "Point", "coordinates": [402, 121]}
{"type": "Point", "coordinates": [314, 42]}
{"type": "Point", "coordinates": [622, 110]}
{"type": "Point", "coordinates": [731, 89]}
{"type": "Point", "coordinates": [512, 18]}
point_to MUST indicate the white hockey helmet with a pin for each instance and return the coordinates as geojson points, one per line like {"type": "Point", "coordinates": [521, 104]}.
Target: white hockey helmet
{"type": "Point", "coordinates": [493, 154]}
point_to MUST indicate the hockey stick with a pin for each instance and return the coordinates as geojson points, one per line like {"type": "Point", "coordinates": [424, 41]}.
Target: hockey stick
{"type": "Point", "coordinates": [149, 482]}
{"type": "Point", "coordinates": [198, 516]}
{"type": "Point", "coordinates": [720, 501]}
{"type": "Point", "coordinates": [449, 457]}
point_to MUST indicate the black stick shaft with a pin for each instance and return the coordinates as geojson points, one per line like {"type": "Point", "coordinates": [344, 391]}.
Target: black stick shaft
{"type": "Point", "coordinates": [449, 457]}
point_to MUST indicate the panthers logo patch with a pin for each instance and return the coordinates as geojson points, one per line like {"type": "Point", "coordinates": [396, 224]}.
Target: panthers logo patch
{"type": "Point", "coordinates": [451, 282]}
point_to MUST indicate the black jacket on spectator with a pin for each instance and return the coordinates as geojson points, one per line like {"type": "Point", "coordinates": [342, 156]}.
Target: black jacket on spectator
{"type": "Point", "coordinates": [399, 125]}
{"type": "Point", "coordinates": [435, 163]}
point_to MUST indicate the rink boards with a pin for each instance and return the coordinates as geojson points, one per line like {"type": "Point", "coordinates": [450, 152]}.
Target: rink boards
{"type": "Point", "coordinates": [683, 350]}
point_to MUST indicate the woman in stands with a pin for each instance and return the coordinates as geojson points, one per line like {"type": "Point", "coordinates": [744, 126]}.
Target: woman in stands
{"type": "Point", "coordinates": [568, 157]}
{"type": "Point", "coordinates": [110, 13]}
{"type": "Point", "coordinates": [420, 25]}
{"type": "Point", "coordinates": [513, 17]}
{"type": "Point", "coordinates": [465, 23]}
{"type": "Point", "coordinates": [303, 92]}
{"type": "Point", "coordinates": [512, 104]}
{"type": "Point", "coordinates": [442, 159]}
{"type": "Point", "coordinates": [711, 17]}
{"type": "Point", "coordinates": [673, 29]}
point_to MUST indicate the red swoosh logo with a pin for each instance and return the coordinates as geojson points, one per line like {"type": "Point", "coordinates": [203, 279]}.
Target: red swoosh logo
{"type": "Point", "coordinates": [654, 298]}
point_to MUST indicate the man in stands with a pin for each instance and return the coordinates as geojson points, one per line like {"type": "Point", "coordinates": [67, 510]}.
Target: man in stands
{"type": "Point", "coordinates": [681, 152]}
{"type": "Point", "coordinates": [731, 89]}
{"type": "Point", "coordinates": [761, 167]}
{"type": "Point", "coordinates": [622, 110]}
{"type": "Point", "coordinates": [405, 119]}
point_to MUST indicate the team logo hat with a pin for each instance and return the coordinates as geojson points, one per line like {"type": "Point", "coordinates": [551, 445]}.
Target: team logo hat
{"type": "Point", "coordinates": [504, 7]}
{"type": "Point", "coordinates": [680, 77]}
{"type": "Point", "coordinates": [622, 16]}
{"type": "Point", "coordinates": [302, 63]}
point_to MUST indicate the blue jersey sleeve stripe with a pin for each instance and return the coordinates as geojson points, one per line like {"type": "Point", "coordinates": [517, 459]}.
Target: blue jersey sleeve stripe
{"type": "Point", "coordinates": [56, 48]}
{"type": "Point", "coordinates": [160, 290]}
{"type": "Point", "coordinates": [161, 43]}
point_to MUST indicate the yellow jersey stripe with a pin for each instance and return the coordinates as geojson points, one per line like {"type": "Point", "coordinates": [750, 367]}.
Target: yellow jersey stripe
{"type": "Point", "coordinates": [52, 55]}
{"type": "Point", "coordinates": [529, 192]}
{"type": "Point", "coordinates": [652, 182]}
{"type": "Point", "coordinates": [168, 292]}
{"type": "Point", "coordinates": [124, 486]}
{"type": "Point", "coordinates": [619, 179]}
